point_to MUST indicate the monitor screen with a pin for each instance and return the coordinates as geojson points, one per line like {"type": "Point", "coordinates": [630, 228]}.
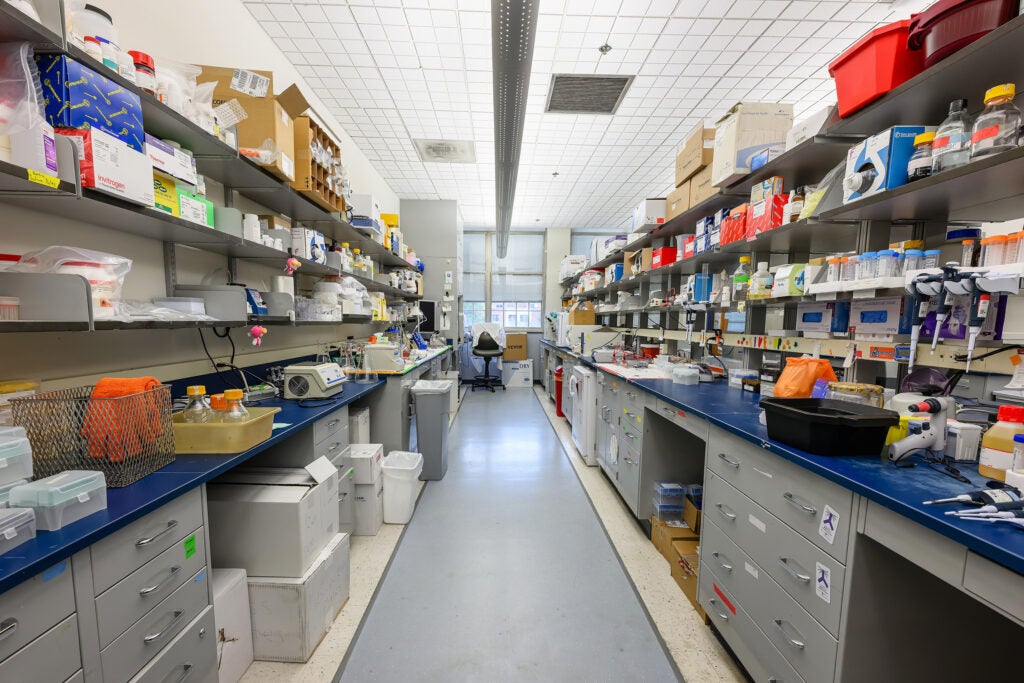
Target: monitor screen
{"type": "Point", "coordinates": [429, 309]}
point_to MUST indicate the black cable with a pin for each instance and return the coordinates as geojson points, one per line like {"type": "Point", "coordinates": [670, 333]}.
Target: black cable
{"type": "Point", "coordinates": [962, 357]}
{"type": "Point", "coordinates": [227, 335]}
{"type": "Point", "coordinates": [212, 361]}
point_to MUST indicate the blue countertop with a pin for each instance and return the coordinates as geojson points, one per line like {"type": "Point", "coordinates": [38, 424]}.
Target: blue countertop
{"type": "Point", "coordinates": [125, 505]}
{"type": "Point", "coordinates": [901, 490]}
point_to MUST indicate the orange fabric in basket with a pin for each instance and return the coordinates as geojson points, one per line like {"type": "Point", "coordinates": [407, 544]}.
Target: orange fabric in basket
{"type": "Point", "coordinates": [117, 427]}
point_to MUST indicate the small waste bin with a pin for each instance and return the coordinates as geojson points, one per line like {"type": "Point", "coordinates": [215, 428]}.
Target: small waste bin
{"type": "Point", "coordinates": [433, 407]}
{"type": "Point", "coordinates": [401, 471]}
{"type": "Point", "coordinates": [559, 377]}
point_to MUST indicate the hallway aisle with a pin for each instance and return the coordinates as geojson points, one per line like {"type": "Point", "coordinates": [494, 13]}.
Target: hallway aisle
{"type": "Point", "coordinates": [504, 573]}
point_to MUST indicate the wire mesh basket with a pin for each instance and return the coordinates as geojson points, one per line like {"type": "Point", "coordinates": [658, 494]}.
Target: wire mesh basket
{"type": "Point", "coordinates": [125, 438]}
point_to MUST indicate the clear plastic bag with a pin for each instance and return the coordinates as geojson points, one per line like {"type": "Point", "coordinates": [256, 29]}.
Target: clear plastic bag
{"type": "Point", "coordinates": [105, 273]}
{"type": "Point", "coordinates": [265, 154]}
{"type": "Point", "coordinates": [25, 7]}
{"type": "Point", "coordinates": [814, 195]}
{"type": "Point", "coordinates": [21, 93]}
{"type": "Point", "coordinates": [201, 112]}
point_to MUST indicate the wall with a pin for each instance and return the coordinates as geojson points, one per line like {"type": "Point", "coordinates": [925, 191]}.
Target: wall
{"type": "Point", "coordinates": [432, 227]}
{"type": "Point", "coordinates": [558, 242]}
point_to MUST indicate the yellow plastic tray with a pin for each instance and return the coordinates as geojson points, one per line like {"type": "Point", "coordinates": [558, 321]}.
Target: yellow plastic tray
{"type": "Point", "coordinates": [233, 437]}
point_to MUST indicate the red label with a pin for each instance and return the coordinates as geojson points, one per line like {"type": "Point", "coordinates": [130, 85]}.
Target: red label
{"type": "Point", "coordinates": [725, 600]}
{"type": "Point", "coordinates": [939, 143]}
{"type": "Point", "coordinates": [883, 353]}
{"type": "Point", "coordinates": [984, 134]}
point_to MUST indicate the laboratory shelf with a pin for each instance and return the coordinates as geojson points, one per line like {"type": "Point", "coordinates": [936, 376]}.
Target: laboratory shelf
{"type": "Point", "coordinates": [16, 26]}
{"type": "Point", "coordinates": [805, 164]}
{"type": "Point", "coordinates": [108, 325]}
{"type": "Point", "coordinates": [17, 180]}
{"type": "Point", "coordinates": [985, 190]}
{"type": "Point", "coordinates": [808, 235]}
{"type": "Point", "coordinates": [924, 100]}
{"type": "Point", "coordinates": [42, 326]}
{"type": "Point", "coordinates": [387, 290]}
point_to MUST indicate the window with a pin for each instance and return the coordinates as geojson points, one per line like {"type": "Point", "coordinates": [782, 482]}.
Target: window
{"type": "Point", "coordinates": [507, 291]}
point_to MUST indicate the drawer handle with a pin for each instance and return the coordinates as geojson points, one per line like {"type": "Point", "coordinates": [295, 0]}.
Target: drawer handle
{"type": "Point", "coordinates": [731, 463]}
{"type": "Point", "coordinates": [724, 511]}
{"type": "Point", "coordinates": [160, 586]}
{"type": "Point", "coordinates": [797, 503]}
{"type": "Point", "coordinates": [713, 601]}
{"type": "Point", "coordinates": [333, 423]}
{"type": "Point", "coordinates": [630, 395]}
{"type": "Point", "coordinates": [629, 413]}
{"type": "Point", "coordinates": [186, 673]}
{"type": "Point", "coordinates": [178, 614]}
{"type": "Point", "coordinates": [794, 570]}
{"type": "Point", "coordinates": [334, 447]}
{"type": "Point", "coordinates": [143, 542]}
{"type": "Point", "coordinates": [725, 565]}
{"type": "Point", "coordinates": [630, 435]}
{"type": "Point", "coordinates": [797, 642]}
{"type": "Point", "coordinates": [8, 627]}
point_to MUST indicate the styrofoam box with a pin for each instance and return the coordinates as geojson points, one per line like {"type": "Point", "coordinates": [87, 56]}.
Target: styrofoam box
{"type": "Point", "coordinates": [366, 458]}
{"type": "Point", "coordinates": [369, 508]}
{"type": "Point", "coordinates": [517, 373]}
{"type": "Point", "coordinates": [291, 616]}
{"type": "Point", "coordinates": [233, 622]}
{"type": "Point", "coordinates": [359, 425]}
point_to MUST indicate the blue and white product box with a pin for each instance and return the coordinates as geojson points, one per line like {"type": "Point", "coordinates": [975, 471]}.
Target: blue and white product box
{"type": "Point", "coordinates": [714, 238]}
{"type": "Point", "coordinates": [703, 225]}
{"type": "Point", "coordinates": [613, 273]}
{"type": "Point", "coordinates": [75, 96]}
{"type": "Point", "coordinates": [309, 244]}
{"type": "Point", "coordinates": [880, 319]}
{"type": "Point", "coordinates": [823, 320]}
{"type": "Point", "coordinates": [879, 163]}
{"type": "Point", "coordinates": [517, 373]}
{"type": "Point", "coordinates": [717, 218]}
{"type": "Point", "coordinates": [761, 158]}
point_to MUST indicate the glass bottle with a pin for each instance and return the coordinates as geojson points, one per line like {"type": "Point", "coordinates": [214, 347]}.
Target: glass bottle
{"type": "Point", "coordinates": [217, 407]}
{"type": "Point", "coordinates": [196, 412]}
{"type": "Point", "coordinates": [357, 263]}
{"type": "Point", "coordinates": [235, 411]}
{"type": "Point", "coordinates": [951, 147]}
{"type": "Point", "coordinates": [998, 126]}
{"type": "Point", "coordinates": [741, 279]}
{"type": "Point", "coordinates": [761, 282]}
{"type": "Point", "coordinates": [920, 164]}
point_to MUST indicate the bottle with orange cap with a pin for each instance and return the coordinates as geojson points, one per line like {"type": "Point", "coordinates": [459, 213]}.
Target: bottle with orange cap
{"type": "Point", "coordinates": [234, 410]}
{"type": "Point", "coordinates": [196, 412]}
{"type": "Point", "coordinates": [997, 128]}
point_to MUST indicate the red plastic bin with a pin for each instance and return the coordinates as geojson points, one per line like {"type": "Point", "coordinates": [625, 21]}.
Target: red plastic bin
{"type": "Point", "coordinates": [874, 65]}
{"type": "Point", "coordinates": [949, 25]}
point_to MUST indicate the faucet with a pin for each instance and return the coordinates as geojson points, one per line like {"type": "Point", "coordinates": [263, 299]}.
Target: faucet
{"type": "Point", "coordinates": [929, 435]}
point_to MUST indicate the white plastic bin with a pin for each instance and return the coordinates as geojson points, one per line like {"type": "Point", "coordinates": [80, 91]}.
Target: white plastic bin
{"type": "Point", "coordinates": [62, 498]}
{"type": "Point", "coordinates": [401, 484]}
{"type": "Point", "coordinates": [5, 492]}
{"type": "Point", "coordinates": [17, 525]}
{"type": "Point", "coordinates": [15, 455]}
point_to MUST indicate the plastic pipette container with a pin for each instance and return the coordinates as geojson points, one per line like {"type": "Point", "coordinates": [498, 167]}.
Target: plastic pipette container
{"type": "Point", "coordinates": [887, 263]}
{"type": "Point", "coordinates": [834, 269]}
{"type": "Point", "coordinates": [997, 445]}
{"type": "Point", "coordinates": [867, 266]}
{"type": "Point", "coordinates": [993, 250]}
{"type": "Point", "coordinates": [931, 258]}
{"type": "Point", "coordinates": [915, 259]}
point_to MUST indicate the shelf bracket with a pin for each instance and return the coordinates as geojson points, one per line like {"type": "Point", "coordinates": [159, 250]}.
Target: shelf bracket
{"type": "Point", "coordinates": [170, 268]}
{"type": "Point", "coordinates": [233, 268]}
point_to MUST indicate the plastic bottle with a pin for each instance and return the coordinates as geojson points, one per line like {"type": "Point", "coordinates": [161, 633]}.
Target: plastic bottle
{"type": "Point", "coordinates": [741, 279]}
{"type": "Point", "coordinates": [931, 258]}
{"type": "Point", "coordinates": [886, 263]}
{"type": "Point", "coordinates": [761, 282]}
{"type": "Point", "coordinates": [850, 270]}
{"type": "Point", "coordinates": [997, 444]}
{"type": "Point", "coordinates": [915, 260]}
{"type": "Point", "coordinates": [951, 147]}
{"type": "Point", "coordinates": [346, 258]}
{"type": "Point", "coordinates": [998, 126]}
{"type": "Point", "coordinates": [196, 412]}
{"type": "Point", "coordinates": [834, 269]}
{"type": "Point", "coordinates": [900, 267]}
{"type": "Point", "coordinates": [93, 48]}
{"type": "Point", "coordinates": [109, 53]}
{"type": "Point", "coordinates": [145, 71]}
{"type": "Point", "coordinates": [235, 411]}
{"type": "Point", "coordinates": [867, 266]}
{"type": "Point", "coordinates": [920, 164]}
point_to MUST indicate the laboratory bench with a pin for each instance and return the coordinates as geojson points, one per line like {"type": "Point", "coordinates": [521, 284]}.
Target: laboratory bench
{"type": "Point", "coordinates": [125, 594]}
{"type": "Point", "coordinates": [814, 568]}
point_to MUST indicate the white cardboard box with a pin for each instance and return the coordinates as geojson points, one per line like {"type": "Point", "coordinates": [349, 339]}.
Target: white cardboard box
{"type": "Point", "coordinates": [171, 160]}
{"type": "Point", "coordinates": [808, 127]}
{"type": "Point", "coordinates": [517, 373]}
{"type": "Point", "coordinates": [366, 459]}
{"type": "Point", "coordinates": [369, 508]}
{"type": "Point", "coordinates": [110, 166]}
{"type": "Point", "coordinates": [290, 616]}
{"type": "Point", "coordinates": [365, 205]}
{"type": "Point", "coordinates": [359, 425]}
{"type": "Point", "coordinates": [649, 212]}
{"type": "Point", "coordinates": [273, 521]}
{"type": "Point", "coordinates": [233, 622]}
{"type": "Point", "coordinates": [748, 128]}
{"type": "Point", "coordinates": [35, 149]}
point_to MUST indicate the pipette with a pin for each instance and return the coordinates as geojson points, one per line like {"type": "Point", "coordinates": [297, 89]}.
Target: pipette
{"type": "Point", "coordinates": [1019, 523]}
{"type": "Point", "coordinates": [922, 288]}
{"type": "Point", "coordinates": [982, 497]}
{"type": "Point", "coordinates": [945, 304]}
{"type": "Point", "coordinates": [1005, 514]}
{"type": "Point", "coordinates": [994, 507]}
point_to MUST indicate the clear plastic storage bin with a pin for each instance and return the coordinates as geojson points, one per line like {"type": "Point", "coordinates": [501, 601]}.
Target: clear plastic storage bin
{"type": "Point", "coordinates": [17, 525]}
{"type": "Point", "coordinates": [63, 498]}
{"type": "Point", "coordinates": [668, 513]}
{"type": "Point", "coordinates": [669, 493]}
{"type": "Point", "coordinates": [15, 455]}
{"type": "Point", "coordinates": [5, 492]}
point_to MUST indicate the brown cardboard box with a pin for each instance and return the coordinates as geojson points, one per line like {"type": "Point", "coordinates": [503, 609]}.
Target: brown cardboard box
{"type": "Point", "coordinates": [582, 313]}
{"type": "Point", "coordinates": [685, 568]}
{"type": "Point", "coordinates": [269, 117]}
{"type": "Point", "coordinates": [645, 256]}
{"type": "Point", "coordinates": [698, 151]}
{"type": "Point", "coordinates": [515, 347]}
{"type": "Point", "coordinates": [663, 534]}
{"type": "Point", "coordinates": [701, 187]}
{"type": "Point", "coordinates": [692, 515]}
{"type": "Point", "coordinates": [678, 201]}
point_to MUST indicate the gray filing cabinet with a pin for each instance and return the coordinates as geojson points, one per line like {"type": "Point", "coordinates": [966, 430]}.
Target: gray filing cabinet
{"type": "Point", "coordinates": [346, 491]}
{"type": "Point", "coordinates": [327, 437]}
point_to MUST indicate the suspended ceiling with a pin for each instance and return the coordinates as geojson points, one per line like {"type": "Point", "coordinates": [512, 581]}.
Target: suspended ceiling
{"type": "Point", "coordinates": [394, 70]}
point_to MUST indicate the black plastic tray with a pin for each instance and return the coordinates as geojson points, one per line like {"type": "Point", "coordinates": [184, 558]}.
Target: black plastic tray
{"type": "Point", "coordinates": [826, 426]}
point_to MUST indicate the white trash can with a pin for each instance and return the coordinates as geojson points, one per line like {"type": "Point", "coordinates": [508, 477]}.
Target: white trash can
{"type": "Point", "coordinates": [401, 485]}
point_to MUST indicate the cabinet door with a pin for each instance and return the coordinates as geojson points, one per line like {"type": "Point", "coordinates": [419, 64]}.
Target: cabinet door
{"type": "Point", "coordinates": [630, 445]}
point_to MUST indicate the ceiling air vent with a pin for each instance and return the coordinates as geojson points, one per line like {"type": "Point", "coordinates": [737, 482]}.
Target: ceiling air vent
{"type": "Point", "coordinates": [586, 94]}
{"type": "Point", "coordinates": [446, 151]}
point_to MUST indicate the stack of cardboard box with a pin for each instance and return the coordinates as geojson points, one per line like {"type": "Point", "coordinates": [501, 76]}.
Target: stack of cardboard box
{"type": "Point", "coordinates": [692, 187]}
{"type": "Point", "coordinates": [679, 543]}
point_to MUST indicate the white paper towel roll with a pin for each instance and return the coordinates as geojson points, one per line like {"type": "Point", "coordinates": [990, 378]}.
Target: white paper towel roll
{"type": "Point", "coordinates": [284, 284]}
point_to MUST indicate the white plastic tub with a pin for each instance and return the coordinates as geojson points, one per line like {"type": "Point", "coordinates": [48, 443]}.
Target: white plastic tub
{"type": "Point", "coordinates": [15, 455]}
{"type": "Point", "coordinates": [63, 498]}
{"type": "Point", "coordinates": [401, 471]}
{"type": "Point", "coordinates": [17, 525]}
{"type": "Point", "coordinates": [366, 459]}
{"type": "Point", "coordinates": [5, 492]}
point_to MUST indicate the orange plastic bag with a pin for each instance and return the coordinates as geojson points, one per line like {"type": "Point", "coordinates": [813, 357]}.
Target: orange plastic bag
{"type": "Point", "coordinates": [798, 378]}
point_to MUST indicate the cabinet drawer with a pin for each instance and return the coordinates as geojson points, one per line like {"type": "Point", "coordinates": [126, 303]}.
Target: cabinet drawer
{"type": "Point", "coordinates": [634, 400]}
{"type": "Point", "coordinates": [143, 641]}
{"type": "Point", "coordinates": [329, 424]}
{"type": "Point", "coordinates": [808, 647]}
{"type": "Point", "coordinates": [630, 432]}
{"type": "Point", "coordinates": [806, 572]}
{"type": "Point", "coordinates": [143, 589]}
{"type": "Point", "coordinates": [124, 551]}
{"type": "Point", "coordinates": [35, 606]}
{"type": "Point", "coordinates": [333, 445]}
{"type": "Point", "coordinates": [680, 418]}
{"type": "Point", "coordinates": [818, 509]}
{"type": "Point", "coordinates": [762, 660]}
{"type": "Point", "coordinates": [998, 585]}
{"type": "Point", "coordinates": [191, 656]}
{"type": "Point", "coordinates": [53, 656]}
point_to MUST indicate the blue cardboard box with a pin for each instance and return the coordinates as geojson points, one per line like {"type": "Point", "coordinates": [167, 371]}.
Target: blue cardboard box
{"type": "Point", "coordinates": [75, 96]}
{"type": "Point", "coordinates": [879, 163]}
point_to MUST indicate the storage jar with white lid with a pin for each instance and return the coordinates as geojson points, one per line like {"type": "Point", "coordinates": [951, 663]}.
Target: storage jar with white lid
{"type": "Point", "coordinates": [63, 498]}
{"type": "Point", "coordinates": [5, 492]}
{"type": "Point", "coordinates": [15, 455]}
{"type": "Point", "coordinates": [17, 525]}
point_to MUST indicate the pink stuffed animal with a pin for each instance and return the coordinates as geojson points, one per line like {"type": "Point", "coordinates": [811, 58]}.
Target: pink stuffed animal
{"type": "Point", "coordinates": [257, 333]}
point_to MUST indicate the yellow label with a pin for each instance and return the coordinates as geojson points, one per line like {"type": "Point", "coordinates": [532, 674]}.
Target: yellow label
{"type": "Point", "coordinates": [43, 179]}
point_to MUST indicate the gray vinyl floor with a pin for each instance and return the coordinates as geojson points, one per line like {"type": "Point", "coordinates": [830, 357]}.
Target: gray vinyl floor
{"type": "Point", "coordinates": [504, 573]}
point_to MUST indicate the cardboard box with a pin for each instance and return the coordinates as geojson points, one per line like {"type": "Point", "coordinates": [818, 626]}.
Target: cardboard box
{"type": "Point", "coordinates": [171, 160]}
{"type": "Point", "coordinates": [517, 374]}
{"type": "Point", "coordinates": [701, 187]}
{"type": "Point", "coordinates": [886, 156]}
{"type": "Point", "coordinates": [515, 347]}
{"type": "Point", "coordinates": [663, 256]}
{"type": "Point", "coordinates": [165, 194]}
{"type": "Point", "coordinates": [765, 215]}
{"type": "Point", "coordinates": [698, 151]}
{"type": "Point", "coordinates": [648, 212]}
{"type": "Point", "coordinates": [734, 227]}
{"type": "Point", "coordinates": [290, 616]}
{"type": "Point", "coordinates": [762, 158]}
{"type": "Point", "coordinates": [809, 127]}
{"type": "Point", "coordinates": [689, 246]}
{"type": "Point", "coordinates": [685, 569]}
{"type": "Point", "coordinates": [267, 116]}
{"type": "Point", "coordinates": [678, 201]}
{"type": "Point", "coordinates": [871, 319]}
{"type": "Point", "coordinates": [195, 208]}
{"type": "Point", "coordinates": [768, 187]}
{"type": "Point", "coordinates": [692, 514]}
{"type": "Point", "coordinates": [748, 128]}
{"type": "Point", "coordinates": [369, 508]}
{"type": "Point", "coordinates": [309, 244]}
{"type": "Point", "coordinates": [35, 149]}
{"type": "Point", "coordinates": [582, 313]}
{"type": "Point", "coordinates": [613, 273]}
{"type": "Point", "coordinates": [664, 533]}
{"type": "Point", "coordinates": [110, 166]}
{"type": "Point", "coordinates": [643, 257]}
{"type": "Point", "coordinates": [75, 96]}
{"type": "Point", "coordinates": [233, 622]}
{"type": "Point", "coordinates": [273, 521]}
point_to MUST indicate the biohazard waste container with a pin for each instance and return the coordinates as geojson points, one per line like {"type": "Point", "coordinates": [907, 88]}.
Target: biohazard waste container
{"type": "Point", "coordinates": [559, 373]}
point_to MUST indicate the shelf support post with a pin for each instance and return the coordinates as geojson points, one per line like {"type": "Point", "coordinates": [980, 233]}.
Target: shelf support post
{"type": "Point", "coordinates": [170, 268]}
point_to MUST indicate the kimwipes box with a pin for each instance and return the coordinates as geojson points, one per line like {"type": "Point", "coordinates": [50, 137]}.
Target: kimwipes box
{"type": "Point", "coordinates": [267, 116]}
{"type": "Point", "coordinates": [273, 521]}
{"type": "Point", "coordinates": [111, 166]}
